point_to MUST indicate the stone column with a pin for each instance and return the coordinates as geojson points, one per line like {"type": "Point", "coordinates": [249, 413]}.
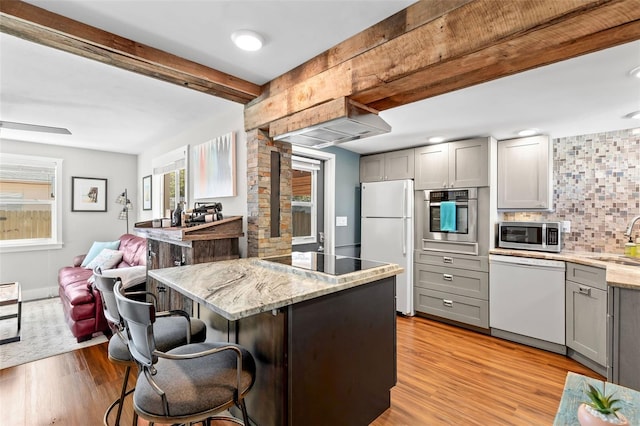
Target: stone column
{"type": "Point", "coordinates": [260, 223]}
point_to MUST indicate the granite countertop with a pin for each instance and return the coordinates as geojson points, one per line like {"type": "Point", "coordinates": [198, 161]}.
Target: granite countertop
{"type": "Point", "coordinates": [617, 275]}
{"type": "Point", "coordinates": [240, 288]}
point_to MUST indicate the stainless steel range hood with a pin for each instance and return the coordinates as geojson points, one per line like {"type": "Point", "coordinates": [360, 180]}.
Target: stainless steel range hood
{"type": "Point", "coordinates": [343, 120]}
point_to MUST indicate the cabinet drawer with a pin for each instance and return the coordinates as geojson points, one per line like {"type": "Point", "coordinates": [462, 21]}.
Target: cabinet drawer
{"type": "Point", "coordinates": [451, 280]}
{"type": "Point", "coordinates": [474, 263]}
{"type": "Point", "coordinates": [463, 309]}
{"type": "Point", "coordinates": [589, 275]}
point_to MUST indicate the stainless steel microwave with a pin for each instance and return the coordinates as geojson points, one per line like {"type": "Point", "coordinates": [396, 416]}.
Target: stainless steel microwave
{"type": "Point", "coordinates": [538, 236]}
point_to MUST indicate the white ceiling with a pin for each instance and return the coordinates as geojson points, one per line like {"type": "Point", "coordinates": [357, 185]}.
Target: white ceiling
{"type": "Point", "coordinates": [110, 109]}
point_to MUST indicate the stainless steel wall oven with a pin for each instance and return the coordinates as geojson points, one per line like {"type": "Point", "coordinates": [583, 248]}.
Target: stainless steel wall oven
{"type": "Point", "coordinates": [463, 203]}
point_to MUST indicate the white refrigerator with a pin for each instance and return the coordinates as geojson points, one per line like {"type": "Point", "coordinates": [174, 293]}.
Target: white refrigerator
{"type": "Point", "coordinates": [387, 232]}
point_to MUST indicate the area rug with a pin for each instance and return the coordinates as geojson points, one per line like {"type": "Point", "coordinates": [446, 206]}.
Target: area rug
{"type": "Point", "coordinates": [44, 333]}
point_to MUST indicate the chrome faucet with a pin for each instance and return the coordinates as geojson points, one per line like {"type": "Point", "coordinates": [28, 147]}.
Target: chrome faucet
{"type": "Point", "coordinates": [630, 228]}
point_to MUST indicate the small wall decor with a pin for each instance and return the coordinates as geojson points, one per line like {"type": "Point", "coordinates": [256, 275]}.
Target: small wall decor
{"type": "Point", "coordinates": [214, 166]}
{"type": "Point", "coordinates": [88, 194]}
{"type": "Point", "coordinates": [146, 193]}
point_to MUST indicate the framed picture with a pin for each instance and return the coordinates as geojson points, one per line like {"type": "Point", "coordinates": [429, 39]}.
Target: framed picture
{"type": "Point", "coordinates": [214, 165]}
{"type": "Point", "coordinates": [88, 194]}
{"type": "Point", "coordinates": [146, 193]}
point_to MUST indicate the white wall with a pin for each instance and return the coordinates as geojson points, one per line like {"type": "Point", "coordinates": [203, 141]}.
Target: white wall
{"type": "Point", "coordinates": [37, 271]}
{"type": "Point", "coordinates": [229, 120]}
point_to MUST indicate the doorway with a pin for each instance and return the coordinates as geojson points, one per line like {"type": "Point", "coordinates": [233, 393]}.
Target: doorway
{"type": "Point", "coordinates": [307, 204]}
{"type": "Point", "coordinates": [328, 161]}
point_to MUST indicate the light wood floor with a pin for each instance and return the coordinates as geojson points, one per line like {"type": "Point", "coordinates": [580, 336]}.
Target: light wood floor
{"type": "Point", "coordinates": [446, 375]}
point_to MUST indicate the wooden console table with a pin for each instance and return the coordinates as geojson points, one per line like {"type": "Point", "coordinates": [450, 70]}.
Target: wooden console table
{"type": "Point", "coordinates": [177, 246]}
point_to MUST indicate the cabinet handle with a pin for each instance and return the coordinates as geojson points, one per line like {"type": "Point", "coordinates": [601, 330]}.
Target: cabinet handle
{"type": "Point", "coordinates": [152, 253]}
{"type": "Point", "coordinates": [446, 259]}
{"type": "Point", "coordinates": [447, 277]}
{"type": "Point", "coordinates": [161, 289]}
{"type": "Point", "coordinates": [585, 290]}
{"type": "Point", "coordinates": [447, 303]}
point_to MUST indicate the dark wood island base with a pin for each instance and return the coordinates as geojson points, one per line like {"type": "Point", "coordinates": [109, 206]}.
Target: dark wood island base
{"type": "Point", "coordinates": [325, 361]}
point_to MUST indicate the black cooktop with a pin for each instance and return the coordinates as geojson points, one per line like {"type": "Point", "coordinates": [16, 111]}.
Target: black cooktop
{"type": "Point", "coordinates": [327, 263]}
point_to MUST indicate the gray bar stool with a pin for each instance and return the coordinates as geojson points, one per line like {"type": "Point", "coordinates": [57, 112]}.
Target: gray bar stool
{"type": "Point", "coordinates": [172, 329]}
{"type": "Point", "coordinates": [191, 383]}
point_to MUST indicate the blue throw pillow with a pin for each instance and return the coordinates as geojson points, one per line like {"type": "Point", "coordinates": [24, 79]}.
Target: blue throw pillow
{"type": "Point", "coordinates": [97, 247]}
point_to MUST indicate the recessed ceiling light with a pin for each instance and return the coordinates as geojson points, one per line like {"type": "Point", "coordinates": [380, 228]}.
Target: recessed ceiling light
{"type": "Point", "coordinates": [635, 72]}
{"type": "Point", "coordinates": [634, 115]}
{"type": "Point", "coordinates": [247, 40]}
{"type": "Point", "coordinates": [528, 132]}
{"type": "Point", "coordinates": [436, 139]}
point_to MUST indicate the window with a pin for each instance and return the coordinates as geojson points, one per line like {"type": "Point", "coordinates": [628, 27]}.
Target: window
{"type": "Point", "coordinates": [170, 171]}
{"type": "Point", "coordinates": [173, 189]}
{"type": "Point", "coordinates": [303, 200]}
{"type": "Point", "coordinates": [30, 211]}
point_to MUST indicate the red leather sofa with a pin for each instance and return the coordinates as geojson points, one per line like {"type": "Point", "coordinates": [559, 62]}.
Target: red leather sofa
{"type": "Point", "coordinates": [82, 304]}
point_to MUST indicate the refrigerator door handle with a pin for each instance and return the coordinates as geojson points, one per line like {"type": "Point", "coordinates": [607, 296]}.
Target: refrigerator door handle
{"type": "Point", "coordinates": [404, 236]}
{"type": "Point", "coordinates": [405, 218]}
{"type": "Point", "coordinates": [404, 200]}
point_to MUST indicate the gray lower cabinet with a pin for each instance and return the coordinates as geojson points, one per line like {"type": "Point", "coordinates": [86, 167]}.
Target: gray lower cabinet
{"type": "Point", "coordinates": [465, 310]}
{"type": "Point", "coordinates": [586, 315]}
{"type": "Point", "coordinates": [452, 280]}
{"type": "Point", "coordinates": [625, 341]}
{"type": "Point", "coordinates": [459, 293]}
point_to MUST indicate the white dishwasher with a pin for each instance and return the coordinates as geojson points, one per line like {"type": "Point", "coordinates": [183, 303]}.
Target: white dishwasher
{"type": "Point", "coordinates": [527, 301]}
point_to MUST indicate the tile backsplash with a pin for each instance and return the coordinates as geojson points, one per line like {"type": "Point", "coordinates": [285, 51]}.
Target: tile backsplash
{"type": "Point", "coordinates": [596, 187]}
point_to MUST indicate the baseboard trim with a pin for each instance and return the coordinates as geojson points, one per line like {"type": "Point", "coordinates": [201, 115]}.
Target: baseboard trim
{"type": "Point", "coordinates": [530, 341]}
{"type": "Point", "coordinates": [39, 293]}
{"type": "Point", "coordinates": [587, 362]}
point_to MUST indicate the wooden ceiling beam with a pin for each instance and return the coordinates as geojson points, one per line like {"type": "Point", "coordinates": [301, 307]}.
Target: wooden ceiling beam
{"type": "Point", "coordinates": [452, 51]}
{"type": "Point", "coordinates": [582, 34]}
{"type": "Point", "coordinates": [38, 25]}
{"type": "Point", "coordinates": [394, 26]}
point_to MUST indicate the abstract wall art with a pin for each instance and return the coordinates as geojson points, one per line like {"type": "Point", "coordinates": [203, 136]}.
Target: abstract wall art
{"type": "Point", "coordinates": [214, 167]}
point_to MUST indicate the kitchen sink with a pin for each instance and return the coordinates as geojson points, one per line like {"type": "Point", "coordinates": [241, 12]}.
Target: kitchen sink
{"type": "Point", "coordinates": [618, 260]}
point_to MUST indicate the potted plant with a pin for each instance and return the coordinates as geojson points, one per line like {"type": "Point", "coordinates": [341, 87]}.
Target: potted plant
{"type": "Point", "coordinates": [601, 411]}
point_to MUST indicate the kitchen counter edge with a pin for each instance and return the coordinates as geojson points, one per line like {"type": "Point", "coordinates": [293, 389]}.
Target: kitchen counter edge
{"type": "Point", "coordinates": [616, 275]}
{"type": "Point", "coordinates": [201, 281]}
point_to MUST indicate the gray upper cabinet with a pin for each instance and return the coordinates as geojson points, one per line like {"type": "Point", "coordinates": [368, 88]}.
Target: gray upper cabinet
{"type": "Point", "coordinates": [524, 173]}
{"type": "Point", "coordinates": [393, 165]}
{"type": "Point", "coordinates": [460, 164]}
{"type": "Point", "coordinates": [432, 166]}
{"type": "Point", "coordinates": [372, 168]}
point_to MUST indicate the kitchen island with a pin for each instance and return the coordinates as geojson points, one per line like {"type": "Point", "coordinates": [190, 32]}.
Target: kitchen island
{"type": "Point", "coordinates": [321, 329]}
